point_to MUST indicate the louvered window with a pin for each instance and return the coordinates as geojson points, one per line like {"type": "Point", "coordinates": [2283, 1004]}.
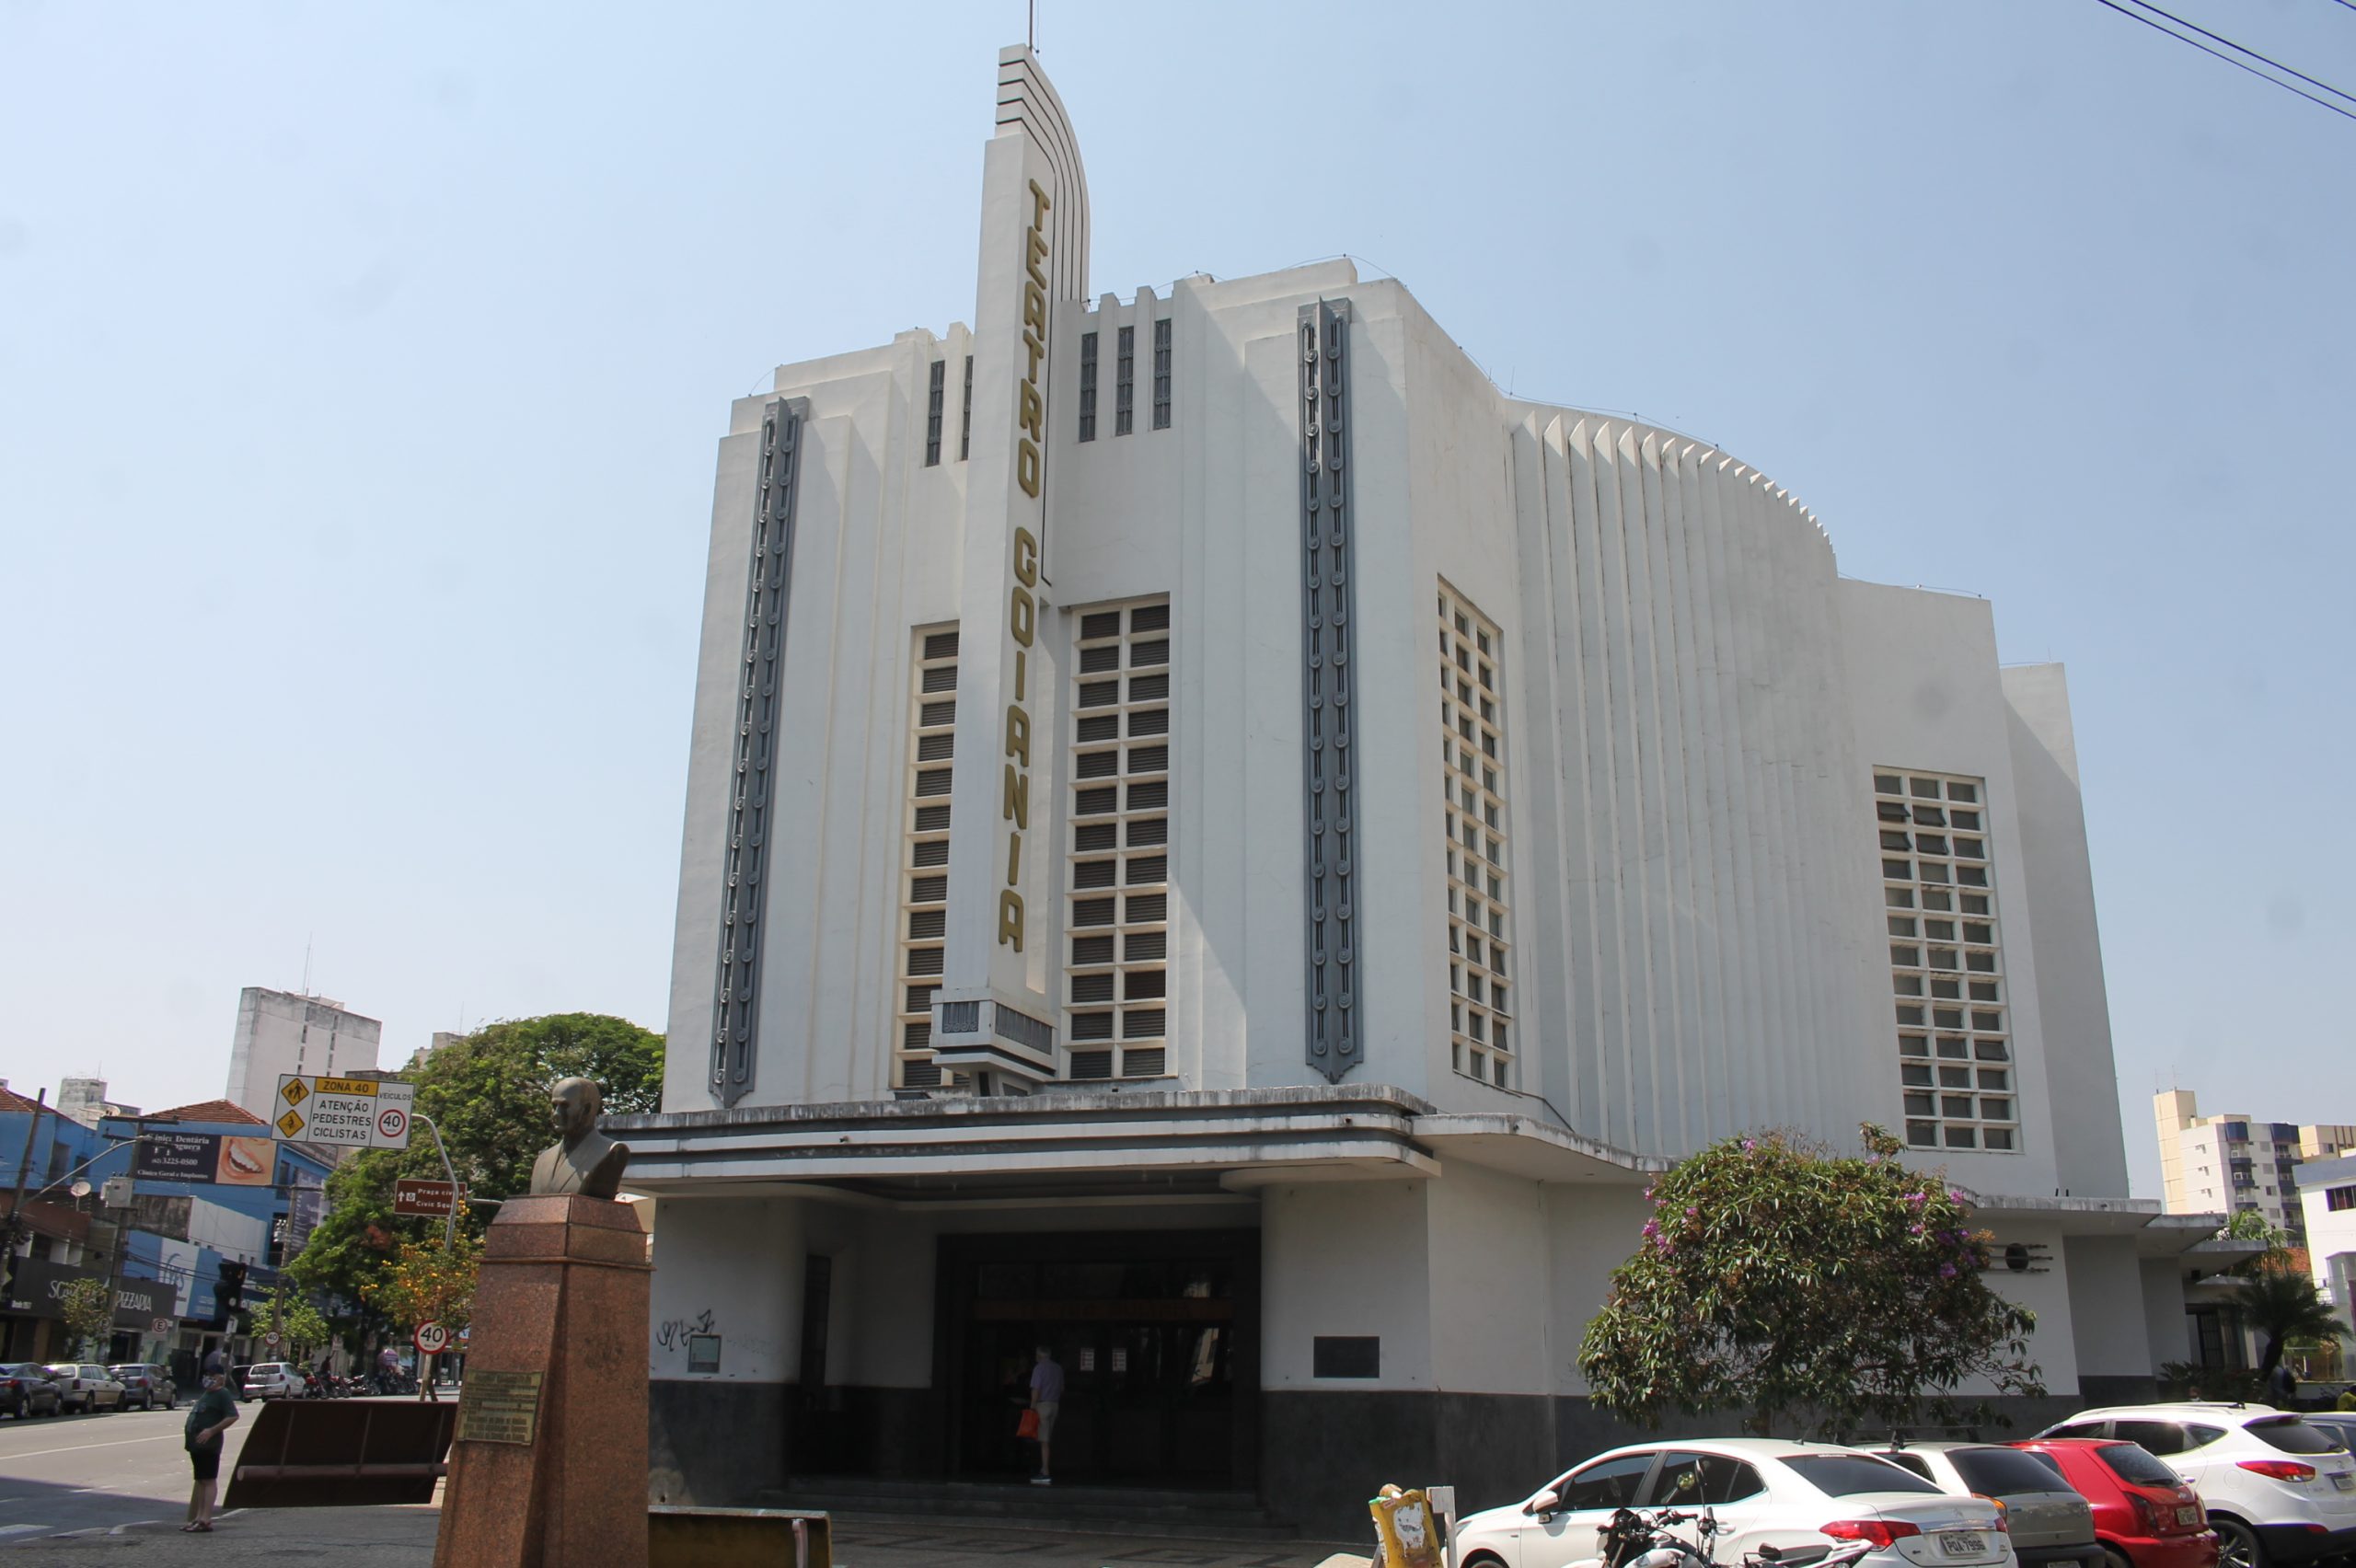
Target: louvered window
{"type": "Point", "coordinates": [1928, 880]}
{"type": "Point", "coordinates": [965, 415]}
{"type": "Point", "coordinates": [934, 398]}
{"type": "Point", "coordinates": [1474, 820]}
{"type": "Point", "coordinates": [1088, 386]}
{"type": "Point", "coordinates": [1116, 979]}
{"type": "Point", "coordinates": [1124, 383]}
{"type": "Point", "coordinates": [1161, 373]}
{"type": "Point", "coordinates": [924, 890]}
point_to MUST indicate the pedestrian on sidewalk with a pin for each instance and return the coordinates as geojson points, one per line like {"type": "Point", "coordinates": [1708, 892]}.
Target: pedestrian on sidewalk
{"type": "Point", "coordinates": [1047, 1395]}
{"type": "Point", "coordinates": [212, 1415]}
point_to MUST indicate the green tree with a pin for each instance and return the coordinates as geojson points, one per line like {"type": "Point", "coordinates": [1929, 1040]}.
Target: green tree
{"type": "Point", "coordinates": [2249, 1224]}
{"type": "Point", "coordinates": [87, 1315]}
{"type": "Point", "coordinates": [489, 1094]}
{"type": "Point", "coordinates": [290, 1311]}
{"type": "Point", "coordinates": [2280, 1300]}
{"type": "Point", "coordinates": [428, 1282]}
{"type": "Point", "coordinates": [1799, 1286]}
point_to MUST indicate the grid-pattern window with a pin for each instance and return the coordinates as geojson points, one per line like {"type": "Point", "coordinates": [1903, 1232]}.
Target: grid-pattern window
{"type": "Point", "coordinates": [1125, 382]}
{"type": "Point", "coordinates": [1088, 386]}
{"type": "Point", "coordinates": [924, 857]}
{"type": "Point", "coordinates": [1946, 963]}
{"type": "Point", "coordinates": [965, 415]}
{"type": "Point", "coordinates": [1116, 971]}
{"type": "Point", "coordinates": [1161, 373]}
{"type": "Point", "coordinates": [934, 402]}
{"type": "Point", "coordinates": [1473, 816]}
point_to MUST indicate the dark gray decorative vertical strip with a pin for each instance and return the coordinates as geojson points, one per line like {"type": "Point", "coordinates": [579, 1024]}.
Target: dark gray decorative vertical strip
{"type": "Point", "coordinates": [1328, 686]}
{"type": "Point", "coordinates": [736, 1003]}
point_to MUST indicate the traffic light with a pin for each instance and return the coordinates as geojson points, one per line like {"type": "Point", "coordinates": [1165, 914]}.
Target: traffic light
{"type": "Point", "coordinates": [228, 1289]}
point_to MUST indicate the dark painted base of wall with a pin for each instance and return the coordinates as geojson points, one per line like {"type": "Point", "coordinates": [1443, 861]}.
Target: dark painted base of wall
{"type": "Point", "coordinates": [713, 1443]}
{"type": "Point", "coordinates": [719, 1443]}
{"type": "Point", "coordinates": [723, 1444]}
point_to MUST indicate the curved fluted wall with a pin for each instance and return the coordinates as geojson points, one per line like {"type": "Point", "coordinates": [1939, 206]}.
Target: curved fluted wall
{"type": "Point", "coordinates": [1710, 975]}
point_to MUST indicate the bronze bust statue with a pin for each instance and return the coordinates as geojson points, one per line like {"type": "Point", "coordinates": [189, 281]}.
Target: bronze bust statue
{"type": "Point", "coordinates": [585, 1162]}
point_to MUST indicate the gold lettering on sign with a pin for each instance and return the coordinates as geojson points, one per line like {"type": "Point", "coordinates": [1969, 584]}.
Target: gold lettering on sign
{"type": "Point", "coordinates": [1022, 609]}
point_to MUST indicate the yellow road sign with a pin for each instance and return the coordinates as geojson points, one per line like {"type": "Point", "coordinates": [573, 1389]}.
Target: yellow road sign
{"type": "Point", "coordinates": [290, 1125]}
{"type": "Point", "coordinates": [293, 1091]}
{"type": "Point", "coordinates": [347, 1086]}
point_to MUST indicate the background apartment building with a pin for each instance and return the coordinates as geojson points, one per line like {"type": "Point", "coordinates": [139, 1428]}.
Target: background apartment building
{"type": "Point", "coordinates": [2235, 1164]}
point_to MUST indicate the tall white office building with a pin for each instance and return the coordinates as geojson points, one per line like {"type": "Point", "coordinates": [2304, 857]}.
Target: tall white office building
{"type": "Point", "coordinates": [289, 1032]}
{"type": "Point", "coordinates": [1219, 842]}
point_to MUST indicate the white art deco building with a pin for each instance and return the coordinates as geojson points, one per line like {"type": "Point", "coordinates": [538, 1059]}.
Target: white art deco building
{"type": "Point", "coordinates": [1219, 842]}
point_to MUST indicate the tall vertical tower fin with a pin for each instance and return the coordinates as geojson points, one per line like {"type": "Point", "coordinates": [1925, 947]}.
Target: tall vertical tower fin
{"type": "Point", "coordinates": [993, 1013]}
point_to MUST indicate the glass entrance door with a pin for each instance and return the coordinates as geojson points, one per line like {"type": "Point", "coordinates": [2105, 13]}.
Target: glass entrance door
{"type": "Point", "coordinates": [1157, 1377]}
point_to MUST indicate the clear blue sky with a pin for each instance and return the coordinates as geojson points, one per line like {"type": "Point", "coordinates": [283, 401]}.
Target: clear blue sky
{"type": "Point", "coordinates": [361, 368]}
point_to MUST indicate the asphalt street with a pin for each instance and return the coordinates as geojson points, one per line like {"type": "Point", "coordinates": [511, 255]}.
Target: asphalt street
{"type": "Point", "coordinates": [82, 1473]}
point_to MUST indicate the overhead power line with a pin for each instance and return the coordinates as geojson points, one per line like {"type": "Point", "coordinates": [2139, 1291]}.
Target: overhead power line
{"type": "Point", "coordinates": [2237, 64]}
{"type": "Point", "coordinates": [2238, 49]}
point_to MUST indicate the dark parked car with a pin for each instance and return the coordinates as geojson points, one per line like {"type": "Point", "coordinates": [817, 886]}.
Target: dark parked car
{"type": "Point", "coordinates": [2145, 1515]}
{"type": "Point", "coordinates": [2339, 1423]}
{"type": "Point", "coordinates": [145, 1385]}
{"type": "Point", "coordinates": [25, 1390]}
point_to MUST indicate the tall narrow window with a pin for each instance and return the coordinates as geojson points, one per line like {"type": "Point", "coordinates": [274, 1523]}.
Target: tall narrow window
{"type": "Point", "coordinates": [1955, 1055]}
{"type": "Point", "coordinates": [1124, 383]}
{"type": "Point", "coordinates": [965, 415]}
{"type": "Point", "coordinates": [1088, 386]}
{"type": "Point", "coordinates": [1161, 373]}
{"type": "Point", "coordinates": [1473, 790]}
{"type": "Point", "coordinates": [924, 857]}
{"type": "Point", "coordinates": [1117, 969]}
{"type": "Point", "coordinates": [932, 413]}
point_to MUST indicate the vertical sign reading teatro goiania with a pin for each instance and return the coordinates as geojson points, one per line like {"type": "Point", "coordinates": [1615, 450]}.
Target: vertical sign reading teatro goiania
{"type": "Point", "coordinates": [1329, 686]}
{"type": "Point", "coordinates": [991, 1013]}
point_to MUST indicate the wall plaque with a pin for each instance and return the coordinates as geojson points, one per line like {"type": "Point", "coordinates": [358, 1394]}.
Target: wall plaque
{"type": "Point", "coordinates": [498, 1407]}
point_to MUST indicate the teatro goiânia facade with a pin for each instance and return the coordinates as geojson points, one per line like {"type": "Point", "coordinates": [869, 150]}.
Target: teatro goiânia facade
{"type": "Point", "coordinates": [1222, 844]}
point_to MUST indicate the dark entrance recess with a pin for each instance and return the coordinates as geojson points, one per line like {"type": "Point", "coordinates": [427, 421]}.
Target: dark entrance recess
{"type": "Point", "coordinates": [817, 1431]}
{"type": "Point", "coordinates": [1158, 1334]}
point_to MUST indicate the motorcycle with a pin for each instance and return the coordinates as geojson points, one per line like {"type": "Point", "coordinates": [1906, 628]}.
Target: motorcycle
{"type": "Point", "coordinates": [1632, 1540]}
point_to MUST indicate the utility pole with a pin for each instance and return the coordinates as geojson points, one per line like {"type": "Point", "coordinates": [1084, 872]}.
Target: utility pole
{"type": "Point", "coordinates": [17, 1229]}
{"type": "Point", "coordinates": [121, 1225]}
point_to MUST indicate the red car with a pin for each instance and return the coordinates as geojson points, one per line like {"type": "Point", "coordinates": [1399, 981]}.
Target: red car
{"type": "Point", "coordinates": [2146, 1516]}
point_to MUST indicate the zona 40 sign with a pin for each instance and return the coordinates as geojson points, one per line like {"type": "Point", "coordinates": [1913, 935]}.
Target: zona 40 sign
{"type": "Point", "coordinates": [356, 1113]}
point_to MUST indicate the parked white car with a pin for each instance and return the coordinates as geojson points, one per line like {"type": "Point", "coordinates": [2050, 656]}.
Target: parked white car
{"type": "Point", "coordinates": [2278, 1490]}
{"type": "Point", "coordinates": [271, 1380]}
{"type": "Point", "coordinates": [85, 1388]}
{"type": "Point", "coordinates": [1762, 1492]}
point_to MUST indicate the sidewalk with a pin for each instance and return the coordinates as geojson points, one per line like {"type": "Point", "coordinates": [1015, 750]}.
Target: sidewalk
{"type": "Point", "coordinates": [403, 1538]}
{"type": "Point", "coordinates": [360, 1538]}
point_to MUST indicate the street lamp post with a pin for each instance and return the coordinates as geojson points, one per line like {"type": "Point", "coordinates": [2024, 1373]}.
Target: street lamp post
{"type": "Point", "coordinates": [449, 1230]}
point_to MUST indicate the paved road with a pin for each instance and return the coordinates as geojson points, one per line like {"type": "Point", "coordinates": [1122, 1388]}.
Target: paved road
{"type": "Point", "coordinates": [77, 1472]}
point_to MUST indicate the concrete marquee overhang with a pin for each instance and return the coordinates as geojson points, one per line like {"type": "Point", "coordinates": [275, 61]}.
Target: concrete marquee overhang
{"type": "Point", "coordinates": [1139, 1144]}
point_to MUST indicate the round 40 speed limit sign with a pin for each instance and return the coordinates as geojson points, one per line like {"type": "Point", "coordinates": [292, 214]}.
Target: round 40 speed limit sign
{"type": "Point", "coordinates": [432, 1339]}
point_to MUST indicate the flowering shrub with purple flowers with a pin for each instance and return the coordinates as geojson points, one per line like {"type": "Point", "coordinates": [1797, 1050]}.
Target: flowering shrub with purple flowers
{"type": "Point", "coordinates": [1807, 1290]}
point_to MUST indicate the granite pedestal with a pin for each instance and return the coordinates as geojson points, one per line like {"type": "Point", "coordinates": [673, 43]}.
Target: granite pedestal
{"type": "Point", "coordinates": [564, 1295]}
